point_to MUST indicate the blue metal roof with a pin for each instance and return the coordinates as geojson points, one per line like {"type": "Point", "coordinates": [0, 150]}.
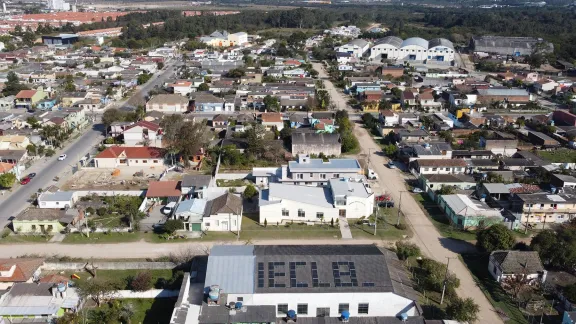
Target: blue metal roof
{"type": "Point", "coordinates": [350, 164]}
{"type": "Point", "coordinates": [232, 268]}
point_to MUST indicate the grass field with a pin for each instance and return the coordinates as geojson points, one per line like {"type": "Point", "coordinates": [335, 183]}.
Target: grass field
{"type": "Point", "coordinates": [146, 311]}
{"type": "Point", "coordinates": [124, 277]}
{"type": "Point", "coordinates": [77, 238]}
{"type": "Point", "coordinates": [558, 156]}
{"type": "Point", "coordinates": [385, 227]}
{"type": "Point", "coordinates": [21, 238]}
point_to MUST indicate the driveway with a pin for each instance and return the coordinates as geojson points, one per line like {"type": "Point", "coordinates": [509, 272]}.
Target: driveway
{"type": "Point", "coordinates": [426, 236]}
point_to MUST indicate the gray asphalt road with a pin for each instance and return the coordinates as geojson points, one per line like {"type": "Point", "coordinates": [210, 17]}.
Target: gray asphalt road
{"type": "Point", "coordinates": [47, 169]}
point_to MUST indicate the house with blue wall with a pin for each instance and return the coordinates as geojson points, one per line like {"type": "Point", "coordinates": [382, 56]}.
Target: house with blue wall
{"type": "Point", "coordinates": [46, 104]}
{"type": "Point", "coordinates": [361, 87]}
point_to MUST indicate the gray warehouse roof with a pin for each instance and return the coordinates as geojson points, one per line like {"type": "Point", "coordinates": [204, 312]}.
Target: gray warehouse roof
{"type": "Point", "coordinates": [358, 42]}
{"type": "Point", "coordinates": [314, 138]}
{"type": "Point", "coordinates": [350, 165]}
{"type": "Point", "coordinates": [315, 196]}
{"type": "Point", "coordinates": [390, 40]}
{"type": "Point", "coordinates": [232, 268]}
{"type": "Point", "coordinates": [440, 42]}
{"type": "Point", "coordinates": [502, 41]}
{"type": "Point", "coordinates": [503, 92]}
{"type": "Point", "coordinates": [415, 41]}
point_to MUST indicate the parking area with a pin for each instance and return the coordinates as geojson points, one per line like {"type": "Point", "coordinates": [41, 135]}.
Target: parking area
{"type": "Point", "coordinates": [155, 216]}
{"type": "Point", "coordinates": [125, 178]}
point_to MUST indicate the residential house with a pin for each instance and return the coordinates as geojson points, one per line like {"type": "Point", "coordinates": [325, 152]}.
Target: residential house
{"type": "Point", "coordinates": [143, 133]}
{"type": "Point", "coordinates": [542, 140]}
{"type": "Point", "coordinates": [393, 71]}
{"type": "Point", "coordinates": [510, 264]}
{"type": "Point", "coordinates": [283, 203]}
{"type": "Point", "coordinates": [472, 154]}
{"type": "Point", "coordinates": [39, 301]}
{"type": "Point", "coordinates": [41, 220]}
{"type": "Point", "coordinates": [207, 102]}
{"type": "Point", "coordinates": [561, 181]}
{"type": "Point", "coordinates": [118, 156]}
{"type": "Point", "coordinates": [362, 87]}
{"type": "Point", "coordinates": [412, 136]}
{"type": "Point", "coordinates": [465, 213]}
{"type": "Point", "coordinates": [389, 118]}
{"type": "Point", "coordinates": [46, 104]}
{"type": "Point", "coordinates": [435, 182]}
{"type": "Point", "coordinates": [58, 199]}
{"type": "Point", "coordinates": [223, 213]}
{"type": "Point", "coordinates": [408, 99]}
{"type": "Point", "coordinates": [219, 122]}
{"type": "Point", "coordinates": [545, 85]}
{"type": "Point", "coordinates": [427, 151]}
{"type": "Point", "coordinates": [165, 191]}
{"type": "Point", "coordinates": [89, 104]}
{"type": "Point", "coordinates": [195, 185]}
{"type": "Point", "coordinates": [439, 166]}
{"type": "Point", "coordinates": [13, 156]}
{"type": "Point", "coordinates": [427, 100]}
{"type": "Point", "coordinates": [300, 104]}
{"type": "Point", "coordinates": [18, 270]}
{"type": "Point", "coordinates": [272, 120]}
{"type": "Point", "coordinates": [69, 99]}
{"type": "Point", "coordinates": [542, 208]}
{"type": "Point", "coordinates": [14, 142]}
{"type": "Point", "coordinates": [181, 87]}
{"type": "Point", "coordinates": [295, 73]}
{"type": "Point", "coordinates": [500, 143]}
{"type": "Point", "coordinates": [168, 103]}
{"type": "Point", "coordinates": [304, 143]}
{"type": "Point", "coordinates": [29, 98]}
{"type": "Point", "coordinates": [7, 103]}
{"type": "Point", "coordinates": [504, 95]}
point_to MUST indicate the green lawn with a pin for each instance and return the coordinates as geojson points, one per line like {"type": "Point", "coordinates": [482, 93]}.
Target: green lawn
{"type": "Point", "coordinates": [146, 311]}
{"type": "Point", "coordinates": [232, 183]}
{"type": "Point", "coordinates": [251, 230]}
{"type": "Point", "coordinates": [160, 277]}
{"type": "Point", "coordinates": [77, 238]}
{"type": "Point", "coordinates": [385, 227]}
{"type": "Point", "coordinates": [478, 266]}
{"type": "Point", "coordinates": [558, 156]}
{"type": "Point", "coordinates": [23, 238]}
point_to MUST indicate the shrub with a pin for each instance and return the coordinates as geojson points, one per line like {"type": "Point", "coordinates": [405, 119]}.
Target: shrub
{"type": "Point", "coordinates": [495, 237]}
{"type": "Point", "coordinates": [172, 225]}
{"type": "Point", "coordinates": [101, 211]}
{"type": "Point", "coordinates": [401, 227]}
{"type": "Point", "coordinates": [142, 281]}
{"type": "Point", "coordinates": [404, 250]}
{"type": "Point", "coordinates": [90, 210]}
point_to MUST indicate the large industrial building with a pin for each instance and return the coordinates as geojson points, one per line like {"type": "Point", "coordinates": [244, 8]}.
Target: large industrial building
{"type": "Point", "coordinates": [60, 40]}
{"type": "Point", "coordinates": [516, 46]}
{"type": "Point", "coordinates": [413, 49]}
{"type": "Point", "coordinates": [303, 283]}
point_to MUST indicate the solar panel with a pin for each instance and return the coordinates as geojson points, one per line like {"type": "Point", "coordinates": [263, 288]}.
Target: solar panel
{"type": "Point", "coordinates": [368, 284]}
{"type": "Point", "coordinates": [260, 275]}
{"type": "Point", "coordinates": [260, 283]}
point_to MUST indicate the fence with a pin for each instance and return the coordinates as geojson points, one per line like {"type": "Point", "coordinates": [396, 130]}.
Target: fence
{"type": "Point", "coordinates": [232, 176]}
{"type": "Point", "coordinates": [57, 266]}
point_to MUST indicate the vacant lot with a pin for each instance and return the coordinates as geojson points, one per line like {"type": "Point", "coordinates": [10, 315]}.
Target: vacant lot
{"type": "Point", "coordinates": [559, 156]}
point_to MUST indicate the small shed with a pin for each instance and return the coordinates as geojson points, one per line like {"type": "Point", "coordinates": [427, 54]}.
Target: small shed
{"type": "Point", "coordinates": [191, 213]}
{"type": "Point", "coordinates": [168, 191]}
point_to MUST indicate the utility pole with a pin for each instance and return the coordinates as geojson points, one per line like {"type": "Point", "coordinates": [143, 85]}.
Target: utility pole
{"type": "Point", "coordinates": [376, 217]}
{"type": "Point", "coordinates": [527, 219]}
{"type": "Point", "coordinates": [399, 207]}
{"type": "Point", "coordinates": [445, 281]}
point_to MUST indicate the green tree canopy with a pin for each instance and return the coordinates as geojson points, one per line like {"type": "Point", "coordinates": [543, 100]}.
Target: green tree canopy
{"type": "Point", "coordinates": [7, 180]}
{"type": "Point", "coordinates": [495, 237]}
{"type": "Point", "coordinates": [463, 310]}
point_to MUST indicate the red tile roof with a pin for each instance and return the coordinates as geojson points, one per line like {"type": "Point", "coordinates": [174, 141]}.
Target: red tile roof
{"type": "Point", "coordinates": [145, 124]}
{"type": "Point", "coordinates": [131, 152]}
{"type": "Point", "coordinates": [426, 96]}
{"type": "Point", "coordinates": [53, 278]}
{"type": "Point", "coordinates": [25, 94]}
{"type": "Point", "coordinates": [6, 167]}
{"type": "Point", "coordinates": [441, 163]}
{"type": "Point", "coordinates": [271, 117]}
{"type": "Point", "coordinates": [163, 189]}
{"type": "Point", "coordinates": [25, 268]}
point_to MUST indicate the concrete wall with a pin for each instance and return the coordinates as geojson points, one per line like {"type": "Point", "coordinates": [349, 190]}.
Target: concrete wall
{"type": "Point", "coordinates": [152, 293]}
{"type": "Point", "coordinates": [316, 149]}
{"type": "Point", "coordinates": [233, 176]}
{"type": "Point", "coordinates": [56, 266]}
{"type": "Point", "coordinates": [83, 193]}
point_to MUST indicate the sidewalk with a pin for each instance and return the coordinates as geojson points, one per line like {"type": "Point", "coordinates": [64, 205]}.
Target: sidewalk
{"type": "Point", "coordinates": [344, 228]}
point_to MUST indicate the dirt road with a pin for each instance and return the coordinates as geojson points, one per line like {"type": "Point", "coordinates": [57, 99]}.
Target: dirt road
{"type": "Point", "coordinates": [426, 236]}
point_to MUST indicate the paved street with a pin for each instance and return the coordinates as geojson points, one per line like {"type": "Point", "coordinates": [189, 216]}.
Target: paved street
{"type": "Point", "coordinates": [426, 236]}
{"type": "Point", "coordinates": [46, 169]}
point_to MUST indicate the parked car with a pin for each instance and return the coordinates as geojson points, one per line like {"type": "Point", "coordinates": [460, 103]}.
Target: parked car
{"type": "Point", "coordinates": [372, 175]}
{"type": "Point", "coordinates": [25, 180]}
{"type": "Point", "coordinates": [416, 190]}
{"type": "Point", "coordinates": [31, 175]}
{"type": "Point", "coordinates": [62, 157]}
{"type": "Point", "coordinates": [387, 204]}
{"type": "Point", "coordinates": [167, 210]}
{"type": "Point", "coordinates": [391, 165]}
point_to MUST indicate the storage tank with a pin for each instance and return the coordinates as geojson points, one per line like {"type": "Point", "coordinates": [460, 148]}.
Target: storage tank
{"type": "Point", "coordinates": [214, 293]}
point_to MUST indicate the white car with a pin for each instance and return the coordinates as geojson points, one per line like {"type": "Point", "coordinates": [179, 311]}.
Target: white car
{"type": "Point", "coordinates": [167, 210]}
{"type": "Point", "coordinates": [62, 157]}
{"type": "Point", "coordinates": [416, 190]}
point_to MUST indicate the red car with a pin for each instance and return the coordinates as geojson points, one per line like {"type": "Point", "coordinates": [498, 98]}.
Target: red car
{"type": "Point", "coordinates": [25, 180]}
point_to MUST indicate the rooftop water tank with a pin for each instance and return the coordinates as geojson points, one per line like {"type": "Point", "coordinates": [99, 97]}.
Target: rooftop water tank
{"type": "Point", "coordinates": [61, 287]}
{"type": "Point", "coordinates": [404, 317]}
{"type": "Point", "coordinates": [291, 314]}
{"type": "Point", "coordinates": [345, 315]}
{"type": "Point", "coordinates": [238, 305]}
{"type": "Point", "coordinates": [214, 293]}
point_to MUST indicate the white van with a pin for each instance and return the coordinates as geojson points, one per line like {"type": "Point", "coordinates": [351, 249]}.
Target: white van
{"type": "Point", "coordinates": [372, 175]}
{"type": "Point", "coordinates": [167, 210]}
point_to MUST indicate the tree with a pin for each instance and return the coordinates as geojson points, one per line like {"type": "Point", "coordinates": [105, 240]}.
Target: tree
{"type": "Point", "coordinates": [405, 250]}
{"type": "Point", "coordinates": [69, 85]}
{"type": "Point", "coordinates": [7, 180]}
{"type": "Point", "coordinates": [160, 65]}
{"type": "Point", "coordinates": [265, 222]}
{"type": "Point", "coordinates": [557, 249]}
{"type": "Point", "coordinates": [463, 310]}
{"type": "Point", "coordinates": [112, 115]}
{"type": "Point", "coordinates": [349, 142]}
{"type": "Point", "coordinates": [143, 78]}
{"type": "Point", "coordinates": [31, 149]}
{"type": "Point", "coordinates": [250, 192]}
{"type": "Point", "coordinates": [33, 122]}
{"type": "Point", "coordinates": [142, 281]}
{"type": "Point", "coordinates": [172, 225]}
{"type": "Point", "coordinates": [97, 289]}
{"type": "Point", "coordinates": [236, 73]}
{"type": "Point", "coordinates": [390, 150]}
{"type": "Point", "coordinates": [495, 237]}
{"type": "Point", "coordinates": [369, 120]}
{"type": "Point", "coordinates": [12, 85]}
{"type": "Point", "coordinates": [203, 87]}
{"type": "Point", "coordinates": [446, 190]}
{"type": "Point", "coordinates": [435, 275]}
{"type": "Point", "coordinates": [271, 103]}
